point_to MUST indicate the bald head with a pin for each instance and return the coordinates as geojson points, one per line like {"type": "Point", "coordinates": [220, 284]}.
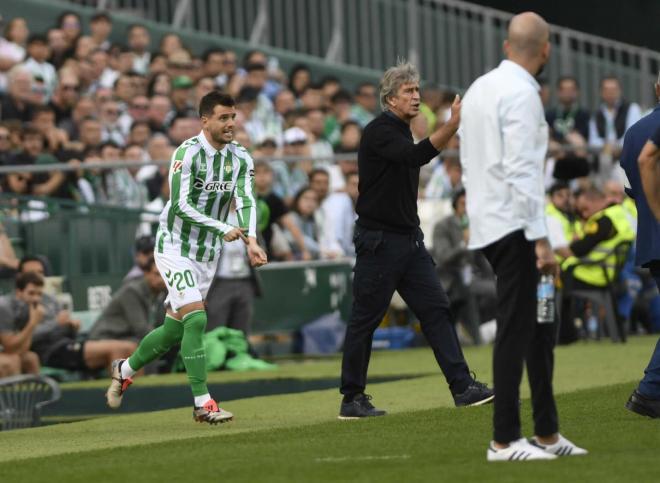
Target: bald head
{"type": "Point", "coordinates": [528, 35]}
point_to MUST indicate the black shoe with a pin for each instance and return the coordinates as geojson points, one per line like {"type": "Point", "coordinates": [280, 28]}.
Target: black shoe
{"type": "Point", "coordinates": [359, 407]}
{"type": "Point", "coordinates": [476, 394]}
{"type": "Point", "coordinates": [642, 405]}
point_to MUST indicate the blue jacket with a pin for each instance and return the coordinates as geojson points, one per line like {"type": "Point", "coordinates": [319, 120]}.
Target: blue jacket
{"type": "Point", "coordinates": [648, 229]}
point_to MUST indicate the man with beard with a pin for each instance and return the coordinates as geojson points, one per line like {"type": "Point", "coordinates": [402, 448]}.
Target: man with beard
{"type": "Point", "coordinates": [206, 172]}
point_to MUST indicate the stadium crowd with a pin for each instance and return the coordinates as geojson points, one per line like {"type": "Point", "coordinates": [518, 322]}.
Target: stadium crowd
{"type": "Point", "coordinates": [70, 95]}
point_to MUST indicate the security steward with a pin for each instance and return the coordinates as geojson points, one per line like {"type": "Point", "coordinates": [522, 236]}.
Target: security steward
{"type": "Point", "coordinates": [389, 246]}
{"type": "Point", "coordinates": [605, 228]}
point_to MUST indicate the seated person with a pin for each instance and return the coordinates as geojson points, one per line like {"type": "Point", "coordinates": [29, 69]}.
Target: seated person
{"type": "Point", "coordinates": [605, 226]}
{"type": "Point", "coordinates": [144, 252]}
{"type": "Point", "coordinates": [465, 274]}
{"type": "Point", "coordinates": [132, 312]}
{"type": "Point", "coordinates": [19, 316]}
{"type": "Point", "coordinates": [56, 340]}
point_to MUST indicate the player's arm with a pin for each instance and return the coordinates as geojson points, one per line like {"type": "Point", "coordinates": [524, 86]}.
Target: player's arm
{"type": "Point", "coordinates": [649, 172]}
{"type": "Point", "coordinates": [181, 174]}
{"type": "Point", "coordinates": [246, 211]}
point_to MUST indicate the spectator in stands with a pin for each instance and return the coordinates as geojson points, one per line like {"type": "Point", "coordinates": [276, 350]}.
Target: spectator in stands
{"type": "Point", "coordinates": [272, 211]}
{"type": "Point", "coordinates": [160, 113]}
{"type": "Point", "coordinates": [351, 132]}
{"type": "Point", "coordinates": [446, 177]}
{"type": "Point", "coordinates": [304, 213]}
{"type": "Point", "coordinates": [312, 97]}
{"type": "Point", "coordinates": [605, 227]}
{"type": "Point", "coordinates": [143, 254]}
{"type": "Point", "coordinates": [83, 47]}
{"type": "Point", "coordinates": [118, 187]}
{"type": "Point", "coordinates": [284, 103]}
{"type": "Point", "coordinates": [366, 104]}
{"type": "Point", "coordinates": [66, 96]}
{"type": "Point", "coordinates": [614, 116]}
{"type": "Point", "coordinates": [100, 26]}
{"type": "Point", "coordinates": [230, 302]}
{"type": "Point", "coordinates": [170, 43]}
{"type": "Point", "coordinates": [139, 133]}
{"type": "Point", "coordinates": [37, 62]}
{"type": "Point", "coordinates": [290, 177]}
{"type": "Point", "coordinates": [20, 315]}
{"type": "Point", "coordinates": [123, 90]}
{"type": "Point", "coordinates": [319, 146]}
{"type": "Point", "coordinates": [56, 139]}
{"type": "Point", "coordinates": [182, 128]}
{"type": "Point", "coordinates": [110, 128]}
{"type": "Point", "coordinates": [102, 74]}
{"type": "Point", "coordinates": [55, 339]}
{"type": "Point", "coordinates": [203, 86]}
{"type": "Point", "coordinates": [32, 152]}
{"type": "Point", "coordinates": [181, 96]}
{"type": "Point", "coordinates": [12, 48]}
{"type": "Point", "coordinates": [58, 47]}
{"type": "Point", "coordinates": [338, 209]}
{"type": "Point", "coordinates": [431, 97]}
{"type": "Point", "coordinates": [19, 100]}
{"type": "Point", "coordinates": [70, 25]}
{"type": "Point", "coordinates": [568, 119]}
{"type": "Point", "coordinates": [340, 112]}
{"type": "Point", "coordinates": [160, 84]}
{"type": "Point", "coordinates": [563, 228]}
{"type": "Point", "coordinates": [615, 194]}
{"type": "Point", "coordinates": [334, 217]}
{"type": "Point", "coordinates": [213, 59]}
{"type": "Point", "coordinates": [90, 132]}
{"type": "Point", "coordinates": [139, 42]}
{"type": "Point", "coordinates": [137, 110]}
{"type": "Point", "coordinates": [132, 312]}
{"type": "Point", "coordinates": [330, 85]}
{"type": "Point", "coordinates": [300, 77]}
{"type": "Point", "coordinates": [464, 273]}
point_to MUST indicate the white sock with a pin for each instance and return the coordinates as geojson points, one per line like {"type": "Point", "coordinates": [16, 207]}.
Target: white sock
{"type": "Point", "coordinates": [201, 400]}
{"type": "Point", "coordinates": [126, 370]}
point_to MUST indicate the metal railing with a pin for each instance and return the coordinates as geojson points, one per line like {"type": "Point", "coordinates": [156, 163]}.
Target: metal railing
{"type": "Point", "coordinates": [453, 42]}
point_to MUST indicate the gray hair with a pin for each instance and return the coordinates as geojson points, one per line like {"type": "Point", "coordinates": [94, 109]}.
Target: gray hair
{"type": "Point", "coordinates": [394, 77]}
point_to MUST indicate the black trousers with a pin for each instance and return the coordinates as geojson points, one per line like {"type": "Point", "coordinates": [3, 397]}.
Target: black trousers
{"type": "Point", "coordinates": [387, 262]}
{"type": "Point", "coordinates": [520, 339]}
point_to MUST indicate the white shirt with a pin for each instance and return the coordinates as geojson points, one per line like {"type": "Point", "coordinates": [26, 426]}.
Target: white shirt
{"type": "Point", "coordinates": [556, 235]}
{"type": "Point", "coordinates": [504, 139]}
{"type": "Point", "coordinates": [634, 114]}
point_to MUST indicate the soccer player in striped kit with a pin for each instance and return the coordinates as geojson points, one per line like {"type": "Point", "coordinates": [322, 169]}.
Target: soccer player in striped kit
{"type": "Point", "coordinates": [206, 172]}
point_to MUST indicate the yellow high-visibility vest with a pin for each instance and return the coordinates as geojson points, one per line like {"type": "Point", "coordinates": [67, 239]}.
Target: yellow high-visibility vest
{"type": "Point", "coordinates": [572, 229]}
{"type": "Point", "coordinates": [593, 274]}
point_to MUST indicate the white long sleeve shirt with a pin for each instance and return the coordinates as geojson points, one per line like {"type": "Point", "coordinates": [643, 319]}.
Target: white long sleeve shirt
{"type": "Point", "coordinates": [504, 139]}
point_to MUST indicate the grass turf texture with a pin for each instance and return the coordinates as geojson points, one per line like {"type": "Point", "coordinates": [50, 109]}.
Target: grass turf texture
{"type": "Point", "coordinates": [297, 438]}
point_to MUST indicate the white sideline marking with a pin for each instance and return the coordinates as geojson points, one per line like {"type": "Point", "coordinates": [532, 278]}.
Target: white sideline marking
{"type": "Point", "coordinates": [331, 459]}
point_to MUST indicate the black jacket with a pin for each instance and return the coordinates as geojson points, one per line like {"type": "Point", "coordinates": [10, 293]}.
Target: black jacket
{"type": "Point", "coordinates": [388, 165]}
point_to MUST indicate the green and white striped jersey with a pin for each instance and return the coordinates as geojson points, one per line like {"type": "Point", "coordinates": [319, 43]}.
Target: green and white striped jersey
{"type": "Point", "coordinates": [203, 182]}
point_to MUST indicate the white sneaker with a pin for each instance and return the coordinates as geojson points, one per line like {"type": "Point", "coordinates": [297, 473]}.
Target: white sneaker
{"type": "Point", "coordinates": [519, 450]}
{"type": "Point", "coordinates": [562, 447]}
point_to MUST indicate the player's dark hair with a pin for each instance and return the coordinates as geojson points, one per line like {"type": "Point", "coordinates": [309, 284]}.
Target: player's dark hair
{"type": "Point", "coordinates": [27, 278]}
{"type": "Point", "coordinates": [212, 99]}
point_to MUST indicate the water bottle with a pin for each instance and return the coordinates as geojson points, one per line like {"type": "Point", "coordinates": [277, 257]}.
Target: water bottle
{"type": "Point", "coordinates": [545, 300]}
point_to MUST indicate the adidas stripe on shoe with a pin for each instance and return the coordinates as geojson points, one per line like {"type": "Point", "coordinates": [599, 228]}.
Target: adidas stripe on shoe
{"type": "Point", "coordinates": [519, 450]}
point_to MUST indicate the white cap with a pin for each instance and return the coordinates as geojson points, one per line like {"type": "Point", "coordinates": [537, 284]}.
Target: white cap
{"type": "Point", "coordinates": [294, 135]}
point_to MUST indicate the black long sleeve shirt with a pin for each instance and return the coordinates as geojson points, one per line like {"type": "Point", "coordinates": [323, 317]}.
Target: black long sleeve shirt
{"type": "Point", "coordinates": [388, 165]}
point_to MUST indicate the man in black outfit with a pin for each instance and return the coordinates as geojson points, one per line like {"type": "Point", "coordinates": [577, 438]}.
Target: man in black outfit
{"type": "Point", "coordinates": [390, 249]}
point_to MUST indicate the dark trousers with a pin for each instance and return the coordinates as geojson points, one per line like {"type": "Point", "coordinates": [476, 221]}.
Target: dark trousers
{"type": "Point", "coordinates": [230, 303]}
{"type": "Point", "coordinates": [650, 385]}
{"type": "Point", "coordinates": [520, 339]}
{"type": "Point", "coordinates": [387, 262]}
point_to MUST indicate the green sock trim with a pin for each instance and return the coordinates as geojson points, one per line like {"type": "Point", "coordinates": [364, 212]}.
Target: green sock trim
{"type": "Point", "coordinates": [156, 343]}
{"type": "Point", "coordinates": [192, 351]}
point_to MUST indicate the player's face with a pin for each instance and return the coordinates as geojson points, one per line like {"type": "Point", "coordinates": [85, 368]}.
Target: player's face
{"type": "Point", "coordinates": [220, 125]}
{"type": "Point", "coordinates": [406, 102]}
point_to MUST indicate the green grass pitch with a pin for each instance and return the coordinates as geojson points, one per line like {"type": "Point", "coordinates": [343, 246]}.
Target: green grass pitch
{"type": "Point", "coordinates": [296, 437]}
